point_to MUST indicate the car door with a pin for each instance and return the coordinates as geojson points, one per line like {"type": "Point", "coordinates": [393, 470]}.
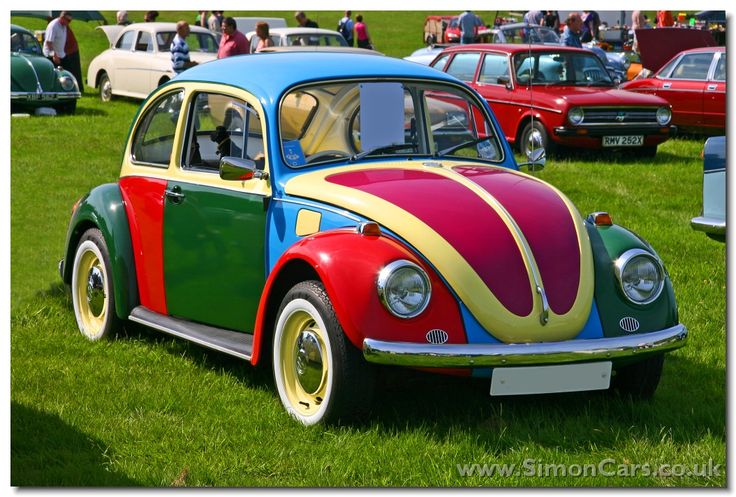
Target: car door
{"type": "Point", "coordinates": [714, 101]}
{"type": "Point", "coordinates": [214, 230]}
{"type": "Point", "coordinates": [494, 83]}
{"type": "Point", "coordinates": [685, 86]}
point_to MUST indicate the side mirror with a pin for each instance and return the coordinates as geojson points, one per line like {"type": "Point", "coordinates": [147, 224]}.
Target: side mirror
{"type": "Point", "coordinates": [237, 169]}
{"type": "Point", "coordinates": [504, 80]}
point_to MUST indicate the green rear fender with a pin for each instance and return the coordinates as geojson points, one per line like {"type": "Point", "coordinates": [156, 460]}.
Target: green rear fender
{"type": "Point", "coordinates": [103, 208]}
{"type": "Point", "coordinates": [608, 243]}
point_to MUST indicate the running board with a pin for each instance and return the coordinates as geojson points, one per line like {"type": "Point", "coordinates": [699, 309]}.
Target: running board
{"type": "Point", "coordinates": [234, 343]}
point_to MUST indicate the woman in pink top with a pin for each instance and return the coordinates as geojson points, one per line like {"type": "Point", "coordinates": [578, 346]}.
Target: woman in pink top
{"type": "Point", "coordinates": [264, 39]}
{"type": "Point", "coordinates": [361, 32]}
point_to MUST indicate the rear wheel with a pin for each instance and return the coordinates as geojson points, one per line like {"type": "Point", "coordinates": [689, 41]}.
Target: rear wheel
{"type": "Point", "coordinates": [320, 376]}
{"type": "Point", "coordinates": [105, 88]}
{"type": "Point", "coordinates": [639, 380]}
{"type": "Point", "coordinates": [92, 295]}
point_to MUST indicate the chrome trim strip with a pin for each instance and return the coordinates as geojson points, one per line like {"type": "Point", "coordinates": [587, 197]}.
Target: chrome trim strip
{"type": "Point", "coordinates": [535, 107]}
{"type": "Point", "coordinates": [316, 205]}
{"type": "Point", "coordinates": [630, 124]}
{"type": "Point", "coordinates": [516, 354]}
{"type": "Point", "coordinates": [709, 225]}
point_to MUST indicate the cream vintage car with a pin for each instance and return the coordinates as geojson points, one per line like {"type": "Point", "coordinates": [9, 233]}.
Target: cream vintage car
{"type": "Point", "coordinates": [300, 37]}
{"type": "Point", "coordinates": [138, 60]}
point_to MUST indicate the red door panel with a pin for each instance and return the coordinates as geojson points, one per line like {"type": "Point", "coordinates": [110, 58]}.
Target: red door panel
{"type": "Point", "coordinates": [686, 98]}
{"type": "Point", "coordinates": [714, 104]}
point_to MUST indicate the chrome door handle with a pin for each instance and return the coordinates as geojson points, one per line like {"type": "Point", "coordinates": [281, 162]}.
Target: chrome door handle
{"type": "Point", "coordinates": [666, 85]}
{"type": "Point", "coordinates": [175, 195]}
{"type": "Point", "coordinates": [712, 87]}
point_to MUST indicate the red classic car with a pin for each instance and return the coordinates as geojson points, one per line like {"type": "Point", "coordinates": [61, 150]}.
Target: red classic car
{"type": "Point", "coordinates": [694, 83]}
{"type": "Point", "coordinates": [560, 96]}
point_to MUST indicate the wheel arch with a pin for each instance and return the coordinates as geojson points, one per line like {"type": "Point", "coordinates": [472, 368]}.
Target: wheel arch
{"type": "Point", "coordinates": [98, 77]}
{"type": "Point", "coordinates": [103, 208]}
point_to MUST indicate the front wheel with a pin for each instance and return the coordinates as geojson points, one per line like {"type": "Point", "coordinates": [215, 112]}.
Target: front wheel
{"type": "Point", "coordinates": [534, 132]}
{"type": "Point", "coordinates": [320, 376]}
{"type": "Point", "coordinates": [105, 88]}
{"type": "Point", "coordinates": [639, 380]}
{"type": "Point", "coordinates": [92, 289]}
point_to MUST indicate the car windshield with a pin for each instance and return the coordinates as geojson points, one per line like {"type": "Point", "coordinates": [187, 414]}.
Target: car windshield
{"type": "Point", "coordinates": [526, 34]}
{"type": "Point", "coordinates": [198, 42]}
{"type": "Point", "coordinates": [24, 43]}
{"type": "Point", "coordinates": [316, 39]}
{"type": "Point", "coordinates": [350, 121]}
{"type": "Point", "coordinates": [560, 68]}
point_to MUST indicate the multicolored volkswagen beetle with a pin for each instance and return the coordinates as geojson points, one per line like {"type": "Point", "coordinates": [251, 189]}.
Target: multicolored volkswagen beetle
{"type": "Point", "coordinates": [359, 210]}
{"type": "Point", "coordinates": [34, 81]}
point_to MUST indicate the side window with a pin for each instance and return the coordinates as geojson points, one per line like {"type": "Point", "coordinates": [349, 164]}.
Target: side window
{"type": "Point", "coordinates": [441, 63]}
{"type": "Point", "coordinates": [720, 74]}
{"type": "Point", "coordinates": [222, 126]}
{"type": "Point", "coordinates": [154, 137]}
{"type": "Point", "coordinates": [144, 43]}
{"type": "Point", "coordinates": [126, 41]}
{"type": "Point", "coordinates": [463, 66]}
{"type": "Point", "coordinates": [693, 66]}
{"type": "Point", "coordinates": [493, 66]}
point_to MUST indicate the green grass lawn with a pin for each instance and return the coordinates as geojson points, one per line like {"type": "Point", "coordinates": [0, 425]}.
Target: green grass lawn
{"type": "Point", "coordinates": [145, 409]}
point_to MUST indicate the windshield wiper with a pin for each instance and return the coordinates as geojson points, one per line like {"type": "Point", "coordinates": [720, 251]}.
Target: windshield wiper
{"type": "Point", "coordinates": [461, 145]}
{"type": "Point", "coordinates": [384, 148]}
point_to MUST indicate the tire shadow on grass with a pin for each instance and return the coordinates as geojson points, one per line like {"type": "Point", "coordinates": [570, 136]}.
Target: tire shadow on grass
{"type": "Point", "coordinates": [45, 451]}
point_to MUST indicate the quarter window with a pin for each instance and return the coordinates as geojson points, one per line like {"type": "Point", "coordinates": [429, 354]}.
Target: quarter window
{"type": "Point", "coordinates": [463, 66]}
{"type": "Point", "coordinates": [222, 126]}
{"type": "Point", "coordinates": [154, 138]}
{"type": "Point", "coordinates": [441, 62]}
{"type": "Point", "coordinates": [720, 74]}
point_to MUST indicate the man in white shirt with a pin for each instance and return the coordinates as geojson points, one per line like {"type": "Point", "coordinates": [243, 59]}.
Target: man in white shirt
{"type": "Point", "coordinates": [53, 47]}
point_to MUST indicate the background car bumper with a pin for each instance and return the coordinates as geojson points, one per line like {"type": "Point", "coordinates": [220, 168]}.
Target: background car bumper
{"type": "Point", "coordinates": [613, 130]}
{"type": "Point", "coordinates": [709, 225]}
{"type": "Point", "coordinates": [484, 355]}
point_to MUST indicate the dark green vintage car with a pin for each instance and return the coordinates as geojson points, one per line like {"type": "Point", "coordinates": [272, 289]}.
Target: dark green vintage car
{"type": "Point", "coordinates": [34, 81]}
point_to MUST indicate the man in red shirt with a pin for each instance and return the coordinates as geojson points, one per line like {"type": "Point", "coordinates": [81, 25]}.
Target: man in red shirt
{"type": "Point", "coordinates": [233, 42]}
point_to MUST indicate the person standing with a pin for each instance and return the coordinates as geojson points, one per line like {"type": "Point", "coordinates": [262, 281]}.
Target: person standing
{"type": "Point", "coordinates": [638, 21]}
{"type": "Point", "coordinates": [201, 19]}
{"type": "Point", "coordinates": [571, 34]}
{"type": "Point", "coordinates": [552, 20]}
{"type": "Point", "coordinates": [214, 23]}
{"type": "Point", "coordinates": [361, 33]}
{"type": "Point", "coordinates": [180, 60]}
{"type": "Point", "coordinates": [71, 60]}
{"type": "Point", "coordinates": [591, 26]}
{"type": "Point", "coordinates": [665, 19]}
{"type": "Point", "coordinates": [534, 17]}
{"type": "Point", "coordinates": [345, 27]}
{"type": "Point", "coordinates": [304, 21]}
{"type": "Point", "coordinates": [233, 42]}
{"type": "Point", "coordinates": [264, 37]}
{"type": "Point", "coordinates": [150, 16]}
{"type": "Point", "coordinates": [468, 23]}
{"type": "Point", "coordinates": [56, 32]}
{"type": "Point", "coordinates": [122, 17]}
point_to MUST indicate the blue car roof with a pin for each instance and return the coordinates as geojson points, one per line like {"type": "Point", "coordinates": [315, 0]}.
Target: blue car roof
{"type": "Point", "coordinates": [268, 75]}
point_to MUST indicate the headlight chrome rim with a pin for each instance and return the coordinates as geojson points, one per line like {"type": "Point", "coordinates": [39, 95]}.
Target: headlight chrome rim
{"type": "Point", "coordinates": [664, 116]}
{"type": "Point", "coordinates": [67, 82]}
{"type": "Point", "coordinates": [384, 278]}
{"type": "Point", "coordinates": [625, 259]}
{"type": "Point", "coordinates": [576, 116]}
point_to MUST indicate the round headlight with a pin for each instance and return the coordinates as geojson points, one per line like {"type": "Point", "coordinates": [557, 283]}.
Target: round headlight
{"type": "Point", "coordinates": [640, 275]}
{"type": "Point", "coordinates": [664, 114]}
{"type": "Point", "coordinates": [575, 115]}
{"type": "Point", "coordinates": [404, 288]}
{"type": "Point", "coordinates": [67, 82]}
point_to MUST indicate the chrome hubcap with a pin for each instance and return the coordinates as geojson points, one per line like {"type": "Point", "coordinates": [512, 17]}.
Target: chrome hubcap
{"type": "Point", "coordinates": [309, 361]}
{"type": "Point", "coordinates": [106, 90]}
{"type": "Point", "coordinates": [95, 291]}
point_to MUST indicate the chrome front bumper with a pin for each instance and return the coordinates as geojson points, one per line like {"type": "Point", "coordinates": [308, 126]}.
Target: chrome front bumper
{"type": "Point", "coordinates": [32, 96]}
{"type": "Point", "coordinates": [428, 355]}
{"type": "Point", "coordinates": [709, 225]}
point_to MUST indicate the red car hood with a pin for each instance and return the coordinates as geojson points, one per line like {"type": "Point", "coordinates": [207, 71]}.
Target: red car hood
{"type": "Point", "coordinates": [657, 46]}
{"type": "Point", "coordinates": [556, 96]}
{"type": "Point", "coordinates": [502, 240]}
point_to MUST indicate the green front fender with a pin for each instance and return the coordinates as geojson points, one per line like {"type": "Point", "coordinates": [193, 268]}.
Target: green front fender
{"type": "Point", "coordinates": [103, 208]}
{"type": "Point", "coordinates": [608, 243]}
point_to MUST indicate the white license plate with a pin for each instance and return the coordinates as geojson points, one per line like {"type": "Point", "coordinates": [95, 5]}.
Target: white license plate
{"type": "Point", "coordinates": [551, 379]}
{"type": "Point", "coordinates": [623, 141]}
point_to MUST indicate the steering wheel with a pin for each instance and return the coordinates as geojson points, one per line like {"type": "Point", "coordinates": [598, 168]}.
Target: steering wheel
{"type": "Point", "coordinates": [326, 153]}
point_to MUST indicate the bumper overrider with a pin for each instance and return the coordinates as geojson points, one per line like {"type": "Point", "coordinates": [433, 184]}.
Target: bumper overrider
{"type": "Point", "coordinates": [428, 355]}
